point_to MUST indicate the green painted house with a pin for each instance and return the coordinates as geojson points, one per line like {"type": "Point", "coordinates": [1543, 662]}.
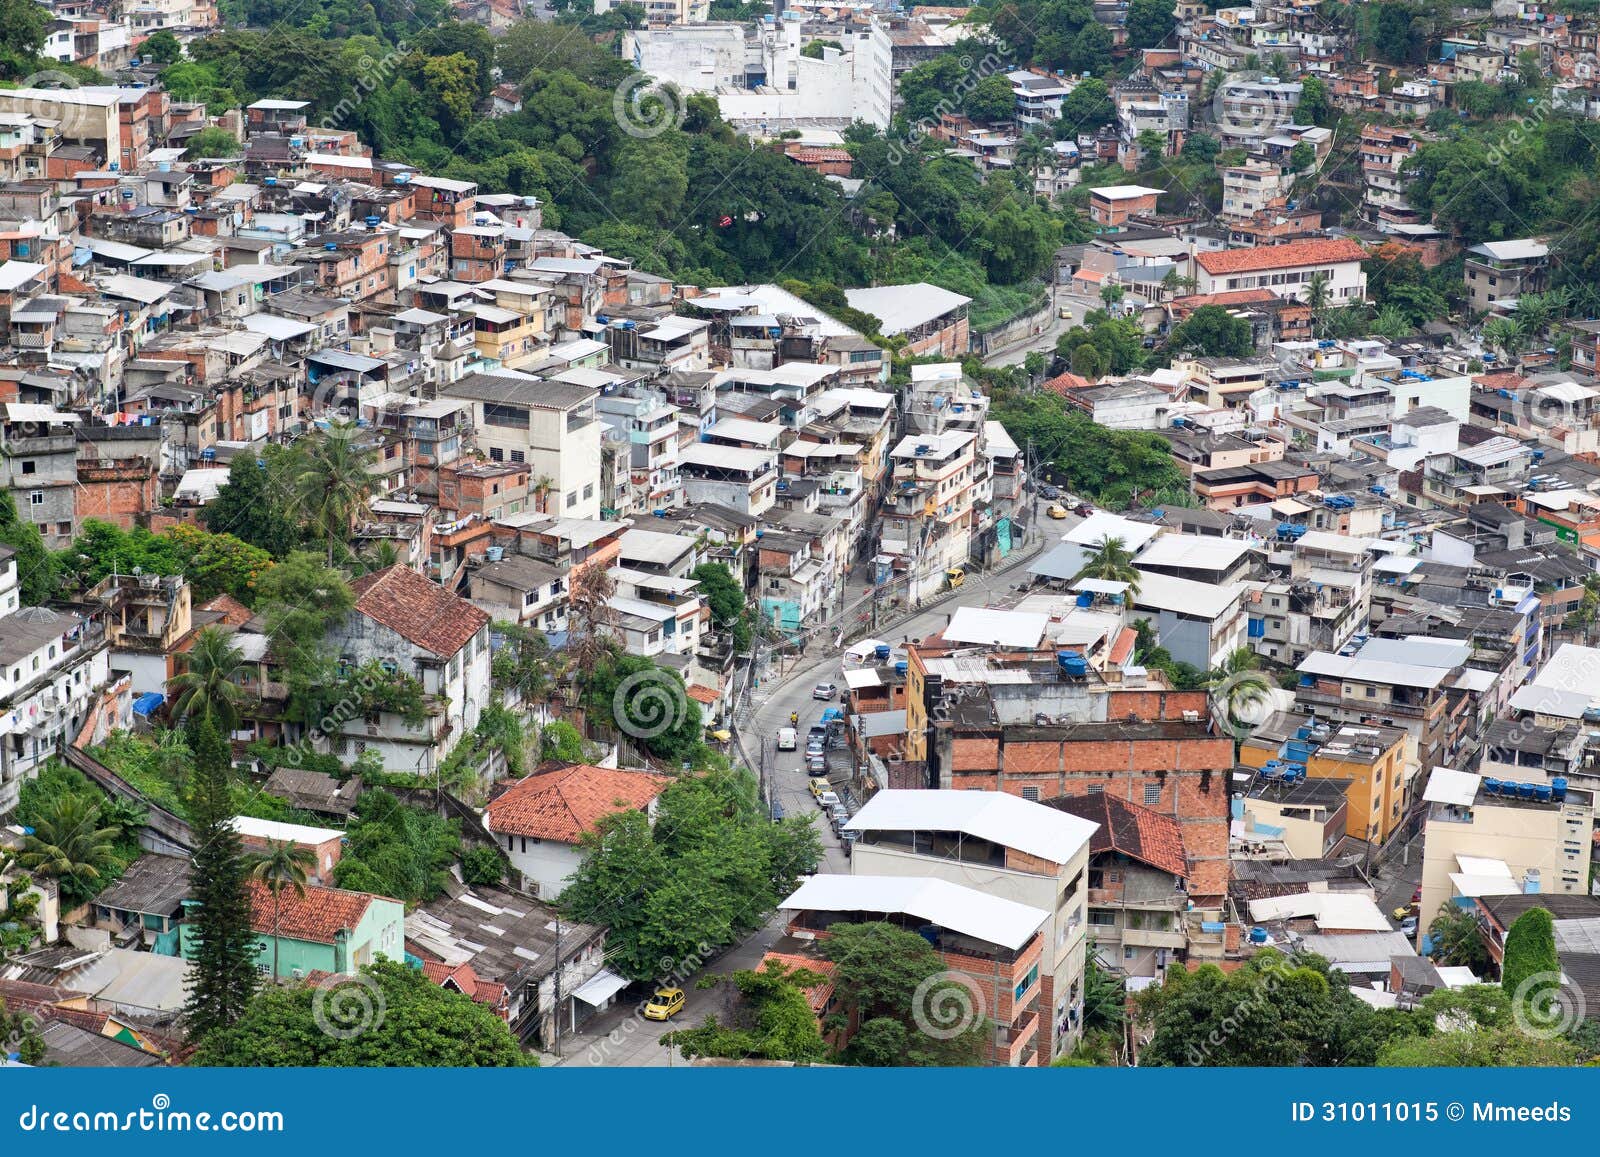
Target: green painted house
{"type": "Point", "coordinates": [325, 930]}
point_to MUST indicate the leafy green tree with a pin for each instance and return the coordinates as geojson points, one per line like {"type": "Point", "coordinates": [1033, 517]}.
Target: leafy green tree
{"type": "Point", "coordinates": [561, 741]}
{"type": "Point", "coordinates": [1088, 106]}
{"type": "Point", "coordinates": [1301, 157]}
{"type": "Point", "coordinates": [725, 597]}
{"type": "Point", "coordinates": [403, 1020]}
{"type": "Point", "coordinates": [1314, 106]}
{"type": "Point", "coordinates": [212, 142]}
{"type": "Point", "coordinates": [398, 851]}
{"type": "Point", "coordinates": [1530, 951]}
{"type": "Point", "coordinates": [19, 1032]}
{"type": "Point", "coordinates": [1018, 241]}
{"type": "Point", "coordinates": [302, 599]}
{"type": "Point", "coordinates": [36, 567]}
{"type": "Point", "coordinates": [1149, 22]}
{"type": "Point", "coordinates": [207, 689]}
{"type": "Point", "coordinates": [1479, 1048]}
{"type": "Point", "coordinates": [775, 1023]}
{"type": "Point", "coordinates": [814, 49]}
{"type": "Point", "coordinates": [1212, 331]}
{"type": "Point", "coordinates": [224, 956]}
{"type": "Point", "coordinates": [284, 864]}
{"type": "Point", "coordinates": [162, 47]}
{"type": "Point", "coordinates": [879, 975]}
{"type": "Point", "coordinates": [990, 100]}
{"type": "Point", "coordinates": [250, 508]}
{"type": "Point", "coordinates": [1201, 147]}
{"type": "Point", "coordinates": [482, 867]}
{"type": "Point", "coordinates": [22, 31]}
{"type": "Point", "coordinates": [335, 482]}
{"type": "Point", "coordinates": [644, 701]}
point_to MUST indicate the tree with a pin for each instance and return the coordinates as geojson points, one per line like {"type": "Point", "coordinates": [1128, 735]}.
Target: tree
{"type": "Point", "coordinates": [888, 978]}
{"type": "Point", "coordinates": [1314, 106]}
{"type": "Point", "coordinates": [1504, 334]}
{"type": "Point", "coordinates": [483, 867]}
{"type": "Point", "coordinates": [249, 508]}
{"type": "Point", "coordinates": [69, 847]}
{"type": "Point", "coordinates": [1479, 1048]}
{"type": "Point", "coordinates": [212, 142]}
{"type": "Point", "coordinates": [22, 31]}
{"type": "Point", "coordinates": [775, 1023]}
{"type": "Point", "coordinates": [1530, 953]}
{"type": "Point", "coordinates": [1111, 295]}
{"type": "Point", "coordinates": [207, 689]}
{"type": "Point", "coordinates": [1237, 688]}
{"type": "Point", "coordinates": [644, 701]}
{"type": "Point", "coordinates": [389, 1015]}
{"type": "Point", "coordinates": [396, 850]}
{"type": "Point", "coordinates": [335, 482]}
{"type": "Point", "coordinates": [284, 864]}
{"type": "Point", "coordinates": [1017, 241]}
{"type": "Point", "coordinates": [223, 936]}
{"type": "Point", "coordinates": [990, 100]}
{"type": "Point", "coordinates": [1212, 331]}
{"type": "Point", "coordinates": [1273, 1011]}
{"type": "Point", "coordinates": [1149, 22]}
{"type": "Point", "coordinates": [1151, 144]}
{"type": "Point", "coordinates": [815, 49]}
{"type": "Point", "coordinates": [1110, 561]}
{"type": "Point", "coordinates": [1201, 147]}
{"type": "Point", "coordinates": [301, 598]}
{"type": "Point", "coordinates": [162, 47]}
{"type": "Point", "coordinates": [1301, 157]}
{"type": "Point", "coordinates": [1088, 106]}
{"type": "Point", "coordinates": [590, 617]}
{"type": "Point", "coordinates": [725, 597]}
{"type": "Point", "coordinates": [36, 567]}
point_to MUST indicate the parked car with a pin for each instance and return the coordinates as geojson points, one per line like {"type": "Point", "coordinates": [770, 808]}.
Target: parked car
{"type": "Point", "coordinates": [1408, 927]}
{"type": "Point", "coordinates": [818, 786]}
{"type": "Point", "coordinates": [787, 738]}
{"type": "Point", "coordinates": [1049, 492]}
{"type": "Point", "coordinates": [1056, 511]}
{"type": "Point", "coordinates": [824, 691]}
{"type": "Point", "coordinates": [1404, 911]}
{"type": "Point", "coordinates": [664, 1004]}
{"type": "Point", "coordinates": [816, 764]}
{"type": "Point", "coordinates": [826, 800]}
{"type": "Point", "coordinates": [1083, 510]}
{"type": "Point", "coordinates": [818, 731]}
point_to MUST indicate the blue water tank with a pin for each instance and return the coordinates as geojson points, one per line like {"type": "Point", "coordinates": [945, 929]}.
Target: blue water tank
{"type": "Point", "coordinates": [1086, 598]}
{"type": "Point", "coordinates": [881, 651]}
{"type": "Point", "coordinates": [901, 667]}
{"type": "Point", "coordinates": [1072, 664]}
{"type": "Point", "coordinates": [1558, 787]}
{"type": "Point", "coordinates": [1258, 935]}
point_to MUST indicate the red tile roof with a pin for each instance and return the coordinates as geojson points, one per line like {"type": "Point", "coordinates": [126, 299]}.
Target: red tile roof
{"type": "Point", "coordinates": [1230, 297]}
{"type": "Point", "coordinates": [1505, 380]}
{"type": "Point", "coordinates": [233, 612]}
{"type": "Point", "coordinates": [465, 980]}
{"type": "Point", "coordinates": [818, 996]}
{"type": "Point", "coordinates": [1323, 251]}
{"type": "Point", "coordinates": [317, 917]}
{"type": "Point", "coordinates": [1061, 383]}
{"type": "Point", "coordinates": [420, 611]}
{"type": "Point", "coordinates": [702, 694]}
{"type": "Point", "coordinates": [563, 801]}
{"type": "Point", "coordinates": [1150, 837]}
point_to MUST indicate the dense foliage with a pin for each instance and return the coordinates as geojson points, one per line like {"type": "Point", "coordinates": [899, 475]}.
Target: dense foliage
{"type": "Point", "coordinates": [61, 801]}
{"type": "Point", "coordinates": [1109, 465]}
{"type": "Point", "coordinates": [391, 1015]}
{"type": "Point", "coordinates": [708, 870]}
{"type": "Point", "coordinates": [774, 1022]}
{"type": "Point", "coordinates": [395, 850]}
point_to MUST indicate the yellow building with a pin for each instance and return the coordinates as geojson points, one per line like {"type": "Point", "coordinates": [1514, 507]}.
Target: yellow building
{"type": "Point", "coordinates": [1370, 756]}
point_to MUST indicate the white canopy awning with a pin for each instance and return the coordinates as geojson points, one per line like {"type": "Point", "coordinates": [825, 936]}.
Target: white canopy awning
{"type": "Point", "coordinates": [600, 987]}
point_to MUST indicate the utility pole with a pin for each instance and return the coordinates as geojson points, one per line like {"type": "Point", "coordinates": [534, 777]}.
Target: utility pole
{"type": "Point", "coordinates": [556, 1043]}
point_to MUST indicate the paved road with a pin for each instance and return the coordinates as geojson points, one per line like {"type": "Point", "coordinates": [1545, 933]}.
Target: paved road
{"type": "Point", "coordinates": [1014, 355]}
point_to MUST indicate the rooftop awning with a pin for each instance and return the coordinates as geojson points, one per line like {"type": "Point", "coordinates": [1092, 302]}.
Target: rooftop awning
{"type": "Point", "coordinates": [600, 987]}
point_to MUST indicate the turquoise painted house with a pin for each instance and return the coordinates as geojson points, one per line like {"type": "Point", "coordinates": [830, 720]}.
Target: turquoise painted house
{"type": "Point", "coordinates": [326, 930]}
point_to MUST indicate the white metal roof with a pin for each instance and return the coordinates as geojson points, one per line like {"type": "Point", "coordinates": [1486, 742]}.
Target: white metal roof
{"type": "Point", "coordinates": [996, 816]}
{"type": "Point", "coordinates": [15, 273]}
{"type": "Point", "coordinates": [858, 677]}
{"type": "Point", "coordinates": [277, 830]}
{"type": "Point", "coordinates": [1125, 192]}
{"type": "Point", "coordinates": [1200, 552]}
{"type": "Point", "coordinates": [964, 910]}
{"type": "Point", "coordinates": [1163, 592]}
{"type": "Point", "coordinates": [996, 628]}
{"type": "Point", "coordinates": [1102, 524]}
{"type": "Point", "coordinates": [1346, 911]}
{"type": "Point", "coordinates": [904, 307]}
{"type": "Point", "coordinates": [1446, 785]}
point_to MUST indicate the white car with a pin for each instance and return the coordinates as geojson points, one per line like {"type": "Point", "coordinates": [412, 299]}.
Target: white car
{"type": "Point", "coordinates": [788, 738]}
{"type": "Point", "coordinates": [824, 691]}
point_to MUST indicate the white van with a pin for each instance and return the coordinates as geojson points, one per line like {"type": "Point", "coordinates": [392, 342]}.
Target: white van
{"type": "Point", "coordinates": [788, 739]}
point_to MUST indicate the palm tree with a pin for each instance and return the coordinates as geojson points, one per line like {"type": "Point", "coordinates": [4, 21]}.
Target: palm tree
{"type": "Point", "coordinates": [541, 492]}
{"type": "Point", "coordinates": [208, 687]}
{"type": "Point", "coordinates": [334, 482]}
{"type": "Point", "coordinates": [67, 844]}
{"type": "Point", "coordinates": [1504, 334]}
{"type": "Point", "coordinates": [590, 616]}
{"type": "Point", "coordinates": [1392, 323]}
{"type": "Point", "coordinates": [1111, 562]}
{"type": "Point", "coordinates": [1236, 686]}
{"type": "Point", "coordinates": [1032, 153]}
{"type": "Point", "coordinates": [1317, 298]}
{"type": "Point", "coordinates": [381, 556]}
{"type": "Point", "coordinates": [283, 865]}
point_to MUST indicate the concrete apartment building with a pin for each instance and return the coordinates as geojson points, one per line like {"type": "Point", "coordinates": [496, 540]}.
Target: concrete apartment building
{"type": "Point", "coordinates": [1370, 760]}
{"type": "Point", "coordinates": [1287, 269]}
{"type": "Point", "coordinates": [1491, 837]}
{"type": "Point", "coordinates": [1002, 846]}
{"type": "Point", "coordinates": [1504, 270]}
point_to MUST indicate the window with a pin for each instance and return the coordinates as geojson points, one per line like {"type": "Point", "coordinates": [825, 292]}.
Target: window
{"type": "Point", "coordinates": [30, 467]}
{"type": "Point", "coordinates": [1027, 982]}
{"type": "Point", "coordinates": [36, 498]}
{"type": "Point", "coordinates": [1152, 794]}
{"type": "Point", "coordinates": [515, 417]}
{"type": "Point", "coordinates": [518, 456]}
{"type": "Point", "coordinates": [588, 491]}
{"type": "Point", "coordinates": [496, 454]}
{"type": "Point", "coordinates": [1096, 788]}
{"type": "Point", "coordinates": [1030, 793]}
{"type": "Point", "coordinates": [572, 499]}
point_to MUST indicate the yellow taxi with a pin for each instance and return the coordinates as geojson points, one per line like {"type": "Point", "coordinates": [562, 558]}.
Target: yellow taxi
{"type": "Point", "coordinates": [1057, 510]}
{"type": "Point", "coordinates": [664, 1004]}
